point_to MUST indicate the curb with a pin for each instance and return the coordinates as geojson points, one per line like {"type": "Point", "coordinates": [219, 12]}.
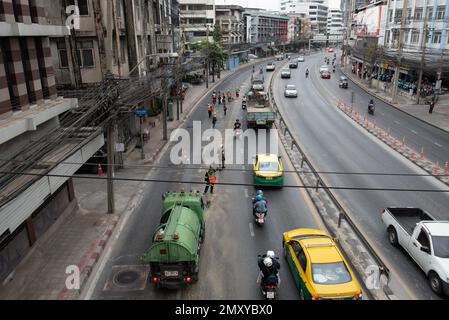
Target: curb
{"type": "Point", "coordinates": [389, 102]}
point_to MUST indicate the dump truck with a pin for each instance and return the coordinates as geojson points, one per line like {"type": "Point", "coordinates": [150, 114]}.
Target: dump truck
{"type": "Point", "coordinates": [257, 83]}
{"type": "Point", "coordinates": [174, 255]}
{"type": "Point", "coordinates": [259, 112]}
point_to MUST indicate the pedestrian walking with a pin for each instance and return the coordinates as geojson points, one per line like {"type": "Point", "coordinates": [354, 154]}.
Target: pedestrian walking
{"type": "Point", "coordinates": [211, 180]}
{"type": "Point", "coordinates": [210, 110]}
{"type": "Point", "coordinates": [214, 120]}
{"type": "Point", "coordinates": [223, 97]}
{"type": "Point", "coordinates": [431, 105]}
{"type": "Point", "coordinates": [219, 98]}
{"type": "Point", "coordinates": [225, 109]}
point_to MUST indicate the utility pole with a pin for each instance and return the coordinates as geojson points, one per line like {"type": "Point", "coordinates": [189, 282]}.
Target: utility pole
{"type": "Point", "coordinates": [399, 54]}
{"type": "Point", "coordinates": [207, 56]}
{"type": "Point", "coordinates": [111, 168]}
{"type": "Point", "coordinates": [423, 53]}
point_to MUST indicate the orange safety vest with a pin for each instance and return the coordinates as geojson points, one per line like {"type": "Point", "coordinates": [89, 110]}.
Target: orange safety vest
{"type": "Point", "coordinates": [211, 108]}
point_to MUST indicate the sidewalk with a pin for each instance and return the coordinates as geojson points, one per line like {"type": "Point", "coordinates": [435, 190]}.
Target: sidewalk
{"type": "Point", "coordinates": [439, 118]}
{"type": "Point", "coordinates": [80, 235]}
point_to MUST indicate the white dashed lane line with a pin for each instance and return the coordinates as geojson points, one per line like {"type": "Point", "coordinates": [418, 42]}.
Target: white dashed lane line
{"type": "Point", "coordinates": [397, 122]}
{"type": "Point", "coordinates": [438, 145]}
{"type": "Point", "coordinates": [251, 230]}
{"type": "Point", "coordinates": [414, 131]}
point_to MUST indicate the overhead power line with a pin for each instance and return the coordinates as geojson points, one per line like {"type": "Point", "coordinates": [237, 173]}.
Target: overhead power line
{"type": "Point", "coordinates": [230, 184]}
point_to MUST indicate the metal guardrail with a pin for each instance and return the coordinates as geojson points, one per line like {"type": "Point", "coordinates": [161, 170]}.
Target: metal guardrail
{"type": "Point", "coordinates": [343, 214]}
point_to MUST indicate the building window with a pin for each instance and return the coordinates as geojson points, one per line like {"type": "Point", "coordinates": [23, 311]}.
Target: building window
{"type": "Point", "coordinates": [62, 53]}
{"type": "Point", "coordinates": [429, 13]}
{"type": "Point", "coordinates": [83, 5]}
{"type": "Point", "coordinates": [415, 36]}
{"type": "Point", "coordinates": [86, 54]}
{"type": "Point", "coordinates": [418, 14]}
{"type": "Point", "coordinates": [390, 15]}
{"type": "Point", "coordinates": [398, 16]}
{"type": "Point", "coordinates": [436, 37]}
{"type": "Point", "coordinates": [440, 13]}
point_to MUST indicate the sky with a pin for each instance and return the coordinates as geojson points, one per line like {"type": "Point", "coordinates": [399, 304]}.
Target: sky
{"type": "Point", "coordinates": [266, 4]}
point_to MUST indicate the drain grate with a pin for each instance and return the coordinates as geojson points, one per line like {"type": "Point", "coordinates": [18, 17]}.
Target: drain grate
{"type": "Point", "coordinates": [127, 278]}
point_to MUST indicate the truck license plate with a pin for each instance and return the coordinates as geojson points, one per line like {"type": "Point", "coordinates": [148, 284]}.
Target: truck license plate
{"type": "Point", "coordinates": [171, 273]}
{"type": "Point", "coordinates": [269, 179]}
{"type": "Point", "coordinates": [270, 295]}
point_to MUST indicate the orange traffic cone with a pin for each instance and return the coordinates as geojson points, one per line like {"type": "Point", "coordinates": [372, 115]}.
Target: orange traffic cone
{"type": "Point", "coordinates": [100, 171]}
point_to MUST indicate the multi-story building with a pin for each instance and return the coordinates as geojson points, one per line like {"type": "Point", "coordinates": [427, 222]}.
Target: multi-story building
{"type": "Point", "coordinates": [266, 27]}
{"type": "Point", "coordinates": [316, 10]}
{"type": "Point", "coordinates": [94, 49]}
{"type": "Point", "coordinates": [196, 16]}
{"type": "Point", "coordinates": [335, 25]}
{"type": "Point", "coordinates": [230, 20]}
{"type": "Point", "coordinates": [31, 115]}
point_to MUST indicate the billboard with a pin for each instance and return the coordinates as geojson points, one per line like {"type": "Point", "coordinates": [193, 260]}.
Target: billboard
{"type": "Point", "coordinates": [367, 21]}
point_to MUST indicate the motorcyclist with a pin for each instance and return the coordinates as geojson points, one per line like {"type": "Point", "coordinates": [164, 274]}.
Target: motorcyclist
{"type": "Point", "coordinates": [237, 125]}
{"type": "Point", "coordinates": [260, 206]}
{"type": "Point", "coordinates": [260, 193]}
{"type": "Point", "coordinates": [237, 93]}
{"type": "Point", "coordinates": [307, 73]}
{"type": "Point", "coordinates": [371, 106]}
{"type": "Point", "coordinates": [269, 269]}
{"type": "Point", "coordinates": [333, 69]}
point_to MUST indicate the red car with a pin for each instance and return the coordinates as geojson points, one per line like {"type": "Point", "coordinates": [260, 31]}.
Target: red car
{"type": "Point", "coordinates": [325, 75]}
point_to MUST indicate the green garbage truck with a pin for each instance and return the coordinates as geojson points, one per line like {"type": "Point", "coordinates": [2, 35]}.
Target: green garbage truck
{"type": "Point", "coordinates": [259, 112]}
{"type": "Point", "coordinates": [174, 255]}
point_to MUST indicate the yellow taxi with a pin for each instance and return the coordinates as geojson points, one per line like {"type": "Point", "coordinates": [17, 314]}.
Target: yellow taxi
{"type": "Point", "coordinates": [318, 267]}
{"type": "Point", "coordinates": [268, 171]}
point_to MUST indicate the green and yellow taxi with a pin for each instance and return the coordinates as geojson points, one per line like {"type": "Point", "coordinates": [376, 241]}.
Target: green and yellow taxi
{"type": "Point", "coordinates": [318, 267]}
{"type": "Point", "coordinates": [268, 171]}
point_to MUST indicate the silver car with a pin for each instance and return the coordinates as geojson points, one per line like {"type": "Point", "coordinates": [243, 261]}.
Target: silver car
{"type": "Point", "coordinates": [301, 59]}
{"type": "Point", "coordinates": [290, 91]}
{"type": "Point", "coordinates": [286, 74]}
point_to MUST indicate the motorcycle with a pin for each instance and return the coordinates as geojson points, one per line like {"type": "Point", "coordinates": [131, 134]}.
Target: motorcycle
{"type": "Point", "coordinates": [269, 286]}
{"type": "Point", "coordinates": [371, 108]}
{"type": "Point", "coordinates": [237, 133]}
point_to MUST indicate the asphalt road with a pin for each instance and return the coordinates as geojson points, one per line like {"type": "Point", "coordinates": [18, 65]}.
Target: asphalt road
{"type": "Point", "coordinates": [336, 144]}
{"type": "Point", "coordinates": [228, 267]}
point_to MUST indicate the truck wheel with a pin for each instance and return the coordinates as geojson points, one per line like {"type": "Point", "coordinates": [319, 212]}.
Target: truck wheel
{"type": "Point", "coordinates": [203, 235]}
{"type": "Point", "coordinates": [393, 236]}
{"type": "Point", "coordinates": [435, 283]}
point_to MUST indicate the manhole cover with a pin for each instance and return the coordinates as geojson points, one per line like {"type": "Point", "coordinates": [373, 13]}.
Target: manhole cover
{"type": "Point", "coordinates": [126, 277]}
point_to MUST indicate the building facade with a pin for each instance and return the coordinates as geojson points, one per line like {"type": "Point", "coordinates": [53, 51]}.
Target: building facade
{"type": "Point", "coordinates": [335, 25]}
{"type": "Point", "coordinates": [195, 17]}
{"type": "Point", "coordinates": [231, 22]}
{"type": "Point", "coordinates": [113, 36]}
{"type": "Point", "coordinates": [30, 112]}
{"type": "Point", "coordinates": [317, 11]}
{"type": "Point", "coordinates": [266, 27]}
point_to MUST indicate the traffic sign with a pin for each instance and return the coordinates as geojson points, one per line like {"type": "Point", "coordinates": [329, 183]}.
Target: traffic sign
{"type": "Point", "coordinates": [141, 113]}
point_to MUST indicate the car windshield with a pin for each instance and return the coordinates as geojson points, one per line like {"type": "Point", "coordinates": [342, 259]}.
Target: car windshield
{"type": "Point", "coordinates": [269, 166]}
{"type": "Point", "coordinates": [330, 273]}
{"type": "Point", "coordinates": [286, 71]}
{"type": "Point", "coordinates": [441, 246]}
{"type": "Point", "coordinates": [291, 87]}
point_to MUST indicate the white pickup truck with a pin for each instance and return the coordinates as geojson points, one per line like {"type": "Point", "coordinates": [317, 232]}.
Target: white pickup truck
{"type": "Point", "coordinates": [425, 239]}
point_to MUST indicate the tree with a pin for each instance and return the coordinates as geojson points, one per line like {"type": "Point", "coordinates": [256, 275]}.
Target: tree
{"type": "Point", "coordinates": [216, 55]}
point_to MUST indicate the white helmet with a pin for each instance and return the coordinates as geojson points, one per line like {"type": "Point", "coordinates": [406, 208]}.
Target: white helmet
{"type": "Point", "coordinates": [271, 254]}
{"type": "Point", "coordinates": [268, 262]}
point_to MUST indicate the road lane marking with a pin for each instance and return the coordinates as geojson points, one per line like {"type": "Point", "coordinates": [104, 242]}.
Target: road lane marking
{"type": "Point", "coordinates": [397, 122]}
{"type": "Point", "coordinates": [246, 193]}
{"type": "Point", "coordinates": [251, 230]}
{"type": "Point", "coordinates": [414, 131]}
{"type": "Point", "coordinates": [437, 144]}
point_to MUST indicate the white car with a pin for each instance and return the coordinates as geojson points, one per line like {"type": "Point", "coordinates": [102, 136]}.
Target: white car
{"type": "Point", "coordinates": [271, 67]}
{"type": "Point", "coordinates": [324, 69]}
{"type": "Point", "coordinates": [301, 59]}
{"type": "Point", "coordinates": [425, 239]}
{"type": "Point", "coordinates": [290, 91]}
{"type": "Point", "coordinates": [286, 74]}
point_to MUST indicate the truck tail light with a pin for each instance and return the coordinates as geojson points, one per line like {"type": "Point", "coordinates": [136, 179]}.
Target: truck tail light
{"type": "Point", "coordinates": [154, 280]}
{"type": "Point", "coordinates": [188, 280]}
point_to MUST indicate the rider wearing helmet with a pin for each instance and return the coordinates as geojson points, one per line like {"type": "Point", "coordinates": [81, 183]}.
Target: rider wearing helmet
{"type": "Point", "coordinates": [269, 268]}
{"type": "Point", "coordinates": [237, 125]}
{"type": "Point", "coordinates": [307, 73]}
{"type": "Point", "coordinates": [260, 206]}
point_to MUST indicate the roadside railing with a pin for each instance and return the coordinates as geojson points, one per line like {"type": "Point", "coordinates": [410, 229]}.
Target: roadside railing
{"type": "Point", "coordinates": [321, 184]}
